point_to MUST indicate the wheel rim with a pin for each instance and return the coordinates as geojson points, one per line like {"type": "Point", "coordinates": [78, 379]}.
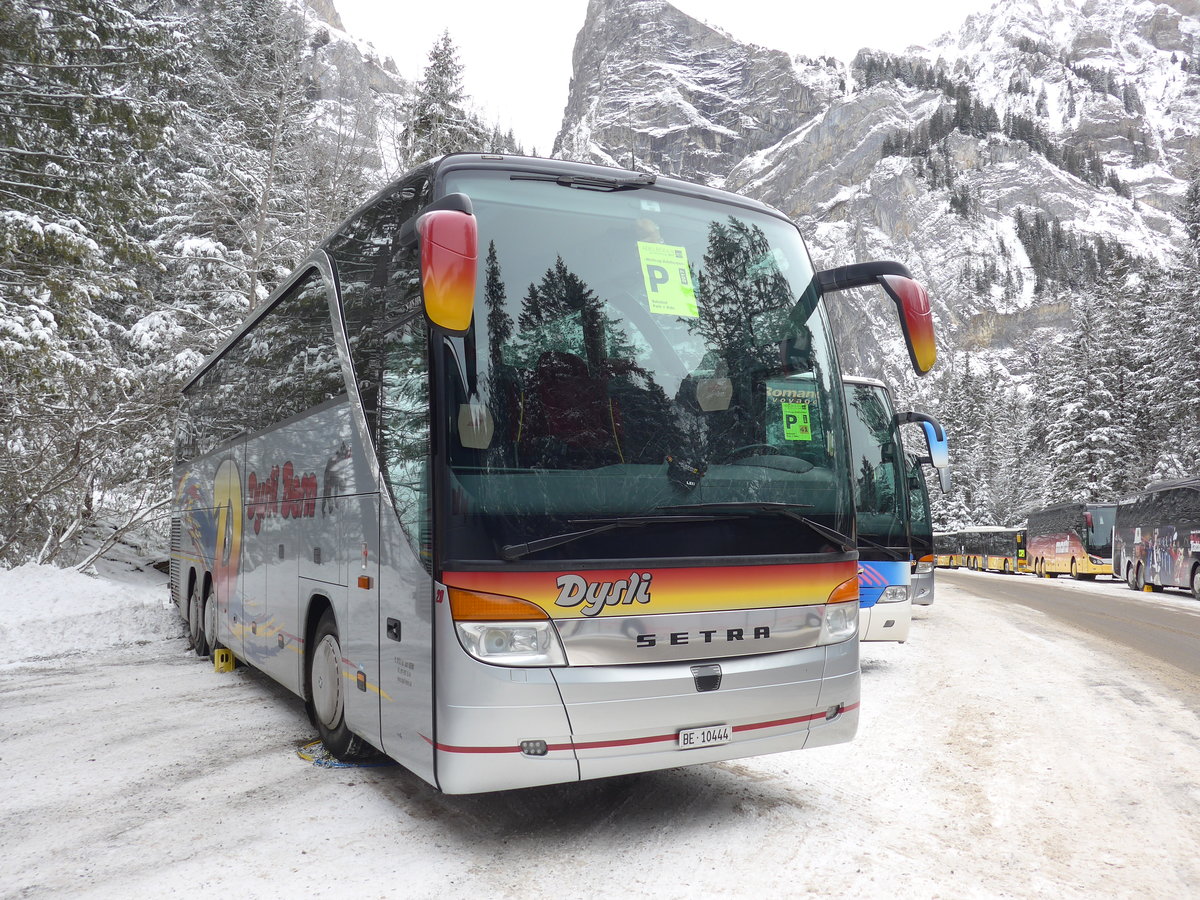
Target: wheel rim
{"type": "Point", "coordinates": [327, 682]}
{"type": "Point", "coordinates": [210, 622]}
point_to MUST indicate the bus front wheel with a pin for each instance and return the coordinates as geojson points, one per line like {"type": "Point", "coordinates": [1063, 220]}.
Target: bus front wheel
{"type": "Point", "coordinates": [326, 684]}
{"type": "Point", "coordinates": [208, 629]}
{"type": "Point", "coordinates": [195, 617]}
{"type": "Point", "coordinates": [1196, 582]}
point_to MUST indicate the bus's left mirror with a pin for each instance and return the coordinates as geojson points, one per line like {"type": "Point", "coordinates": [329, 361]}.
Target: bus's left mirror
{"type": "Point", "coordinates": [944, 479]}
{"type": "Point", "coordinates": [910, 297]}
{"type": "Point", "coordinates": [449, 252]}
{"type": "Point", "coordinates": [916, 318]}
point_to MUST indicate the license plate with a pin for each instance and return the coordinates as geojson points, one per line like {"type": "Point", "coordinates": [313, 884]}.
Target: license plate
{"type": "Point", "coordinates": [708, 736]}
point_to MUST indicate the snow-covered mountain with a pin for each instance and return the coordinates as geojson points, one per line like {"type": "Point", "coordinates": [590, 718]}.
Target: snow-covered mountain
{"type": "Point", "coordinates": [1005, 163]}
{"type": "Point", "coordinates": [656, 89]}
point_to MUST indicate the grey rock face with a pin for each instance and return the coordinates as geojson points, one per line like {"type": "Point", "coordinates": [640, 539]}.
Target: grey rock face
{"type": "Point", "coordinates": [1114, 82]}
{"type": "Point", "coordinates": [655, 89]}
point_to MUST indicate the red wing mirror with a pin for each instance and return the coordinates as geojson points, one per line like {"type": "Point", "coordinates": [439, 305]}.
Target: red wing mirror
{"type": "Point", "coordinates": [912, 302]}
{"type": "Point", "coordinates": [449, 253]}
{"type": "Point", "coordinates": [916, 318]}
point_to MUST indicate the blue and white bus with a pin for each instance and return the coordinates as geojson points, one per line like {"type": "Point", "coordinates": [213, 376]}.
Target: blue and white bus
{"type": "Point", "coordinates": [883, 478]}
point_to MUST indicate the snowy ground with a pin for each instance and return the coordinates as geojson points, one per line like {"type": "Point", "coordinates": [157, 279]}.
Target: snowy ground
{"type": "Point", "coordinates": [997, 757]}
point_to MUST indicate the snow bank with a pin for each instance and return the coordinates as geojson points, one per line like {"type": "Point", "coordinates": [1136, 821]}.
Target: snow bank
{"type": "Point", "coordinates": [46, 612]}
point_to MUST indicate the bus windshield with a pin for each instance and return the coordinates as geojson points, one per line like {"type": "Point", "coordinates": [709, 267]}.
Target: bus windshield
{"type": "Point", "coordinates": [880, 473]}
{"type": "Point", "coordinates": [1101, 519]}
{"type": "Point", "coordinates": [639, 357]}
{"type": "Point", "coordinates": [918, 498]}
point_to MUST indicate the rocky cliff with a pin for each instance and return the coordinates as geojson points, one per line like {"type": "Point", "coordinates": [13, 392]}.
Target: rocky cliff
{"type": "Point", "coordinates": [654, 88]}
{"type": "Point", "coordinates": [1006, 163]}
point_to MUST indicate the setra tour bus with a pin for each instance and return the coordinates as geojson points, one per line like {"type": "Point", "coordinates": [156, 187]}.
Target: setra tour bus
{"type": "Point", "coordinates": [537, 471]}
{"type": "Point", "coordinates": [1156, 537]}
{"type": "Point", "coordinates": [1071, 538]}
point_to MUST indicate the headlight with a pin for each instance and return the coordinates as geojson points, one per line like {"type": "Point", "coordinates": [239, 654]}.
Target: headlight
{"type": "Point", "coordinates": [512, 643]}
{"type": "Point", "coordinates": [841, 623]}
{"type": "Point", "coordinates": [894, 594]}
{"type": "Point", "coordinates": [924, 567]}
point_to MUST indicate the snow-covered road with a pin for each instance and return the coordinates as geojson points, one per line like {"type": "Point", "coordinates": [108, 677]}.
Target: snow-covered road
{"type": "Point", "coordinates": [998, 756]}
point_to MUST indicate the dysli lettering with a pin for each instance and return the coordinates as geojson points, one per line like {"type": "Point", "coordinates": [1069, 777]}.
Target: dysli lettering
{"type": "Point", "coordinates": [575, 589]}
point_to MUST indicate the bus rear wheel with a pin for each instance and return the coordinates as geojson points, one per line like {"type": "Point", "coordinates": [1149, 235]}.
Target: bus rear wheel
{"type": "Point", "coordinates": [326, 685]}
{"type": "Point", "coordinates": [1139, 578]}
{"type": "Point", "coordinates": [1196, 582]}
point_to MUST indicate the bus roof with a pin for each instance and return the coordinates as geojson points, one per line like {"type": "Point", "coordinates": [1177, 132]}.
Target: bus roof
{"type": "Point", "coordinates": [1191, 481]}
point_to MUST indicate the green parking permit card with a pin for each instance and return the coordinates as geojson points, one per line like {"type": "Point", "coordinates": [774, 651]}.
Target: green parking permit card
{"type": "Point", "coordinates": [668, 279]}
{"type": "Point", "coordinates": [796, 425]}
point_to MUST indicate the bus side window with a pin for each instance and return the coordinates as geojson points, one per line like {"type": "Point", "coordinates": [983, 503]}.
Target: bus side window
{"type": "Point", "coordinates": [290, 357]}
{"type": "Point", "coordinates": [380, 285]}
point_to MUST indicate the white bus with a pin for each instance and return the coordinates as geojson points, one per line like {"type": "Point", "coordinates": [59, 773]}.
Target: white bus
{"type": "Point", "coordinates": [535, 472]}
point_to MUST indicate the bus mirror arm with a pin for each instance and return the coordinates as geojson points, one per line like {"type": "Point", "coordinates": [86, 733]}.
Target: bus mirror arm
{"type": "Point", "coordinates": [910, 297]}
{"type": "Point", "coordinates": [407, 236]}
{"type": "Point", "coordinates": [911, 416]}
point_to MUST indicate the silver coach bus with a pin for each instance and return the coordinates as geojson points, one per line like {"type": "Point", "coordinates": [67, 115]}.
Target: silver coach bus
{"type": "Point", "coordinates": [535, 472]}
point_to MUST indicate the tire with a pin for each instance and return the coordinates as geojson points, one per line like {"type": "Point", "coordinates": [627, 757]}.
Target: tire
{"type": "Point", "coordinates": [208, 625]}
{"type": "Point", "coordinates": [1007, 568]}
{"type": "Point", "coordinates": [1129, 577]}
{"type": "Point", "coordinates": [327, 692]}
{"type": "Point", "coordinates": [1196, 582]}
{"type": "Point", "coordinates": [193, 618]}
{"type": "Point", "coordinates": [1074, 569]}
{"type": "Point", "coordinates": [1139, 578]}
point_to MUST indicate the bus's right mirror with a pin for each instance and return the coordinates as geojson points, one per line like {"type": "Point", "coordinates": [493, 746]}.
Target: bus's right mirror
{"type": "Point", "coordinates": [449, 239]}
{"type": "Point", "coordinates": [910, 297]}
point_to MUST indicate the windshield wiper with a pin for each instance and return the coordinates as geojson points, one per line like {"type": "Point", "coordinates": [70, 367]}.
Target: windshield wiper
{"type": "Point", "coordinates": [784, 509]}
{"type": "Point", "coordinates": [893, 552]}
{"type": "Point", "coordinates": [516, 551]}
{"type": "Point", "coordinates": [593, 182]}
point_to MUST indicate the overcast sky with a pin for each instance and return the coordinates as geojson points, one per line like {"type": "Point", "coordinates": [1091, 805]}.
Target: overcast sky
{"type": "Point", "coordinates": [517, 55]}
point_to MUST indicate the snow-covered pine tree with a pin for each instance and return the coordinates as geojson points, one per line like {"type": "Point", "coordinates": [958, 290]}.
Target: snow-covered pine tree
{"type": "Point", "coordinates": [1182, 318]}
{"type": "Point", "coordinates": [437, 120]}
{"type": "Point", "coordinates": [82, 104]}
